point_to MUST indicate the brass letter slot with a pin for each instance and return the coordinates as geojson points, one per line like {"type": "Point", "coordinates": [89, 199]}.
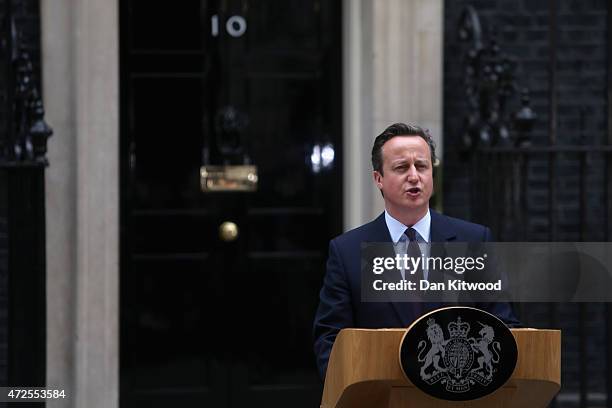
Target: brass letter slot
{"type": "Point", "coordinates": [228, 178]}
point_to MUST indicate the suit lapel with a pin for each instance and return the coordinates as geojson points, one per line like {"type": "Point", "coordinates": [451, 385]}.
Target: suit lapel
{"type": "Point", "coordinates": [441, 230]}
{"type": "Point", "coordinates": [379, 231]}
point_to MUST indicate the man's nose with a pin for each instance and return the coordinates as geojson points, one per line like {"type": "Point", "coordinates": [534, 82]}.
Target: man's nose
{"type": "Point", "coordinates": [412, 174]}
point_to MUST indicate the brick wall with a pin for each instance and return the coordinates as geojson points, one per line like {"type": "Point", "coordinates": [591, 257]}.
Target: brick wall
{"type": "Point", "coordinates": [522, 30]}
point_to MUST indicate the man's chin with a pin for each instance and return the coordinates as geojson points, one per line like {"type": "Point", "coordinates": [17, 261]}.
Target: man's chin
{"type": "Point", "coordinates": [413, 206]}
{"type": "Point", "coordinates": [415, 202]}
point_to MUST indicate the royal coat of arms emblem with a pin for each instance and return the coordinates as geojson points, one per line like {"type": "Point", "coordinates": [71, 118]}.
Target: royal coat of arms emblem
{"type": "Point", "coordinates": [451, 361]}
{"type": "Point", "coordinates": [463, 361]}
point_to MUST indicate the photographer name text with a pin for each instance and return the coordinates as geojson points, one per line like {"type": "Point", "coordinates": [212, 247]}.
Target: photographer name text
{"type": "Point", "coordinates": [424, 285]}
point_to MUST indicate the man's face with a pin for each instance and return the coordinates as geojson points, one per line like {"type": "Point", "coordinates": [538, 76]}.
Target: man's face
{"type": "Point", "coordinates": [407, 178]}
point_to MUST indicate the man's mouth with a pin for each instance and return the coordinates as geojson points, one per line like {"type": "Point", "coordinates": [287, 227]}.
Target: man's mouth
{"type": "Point", "coordinates": [414, 191]}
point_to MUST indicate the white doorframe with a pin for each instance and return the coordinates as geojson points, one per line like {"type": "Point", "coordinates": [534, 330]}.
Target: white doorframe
{"type": "Point", "coordinates": [80, 44]}
{"type": "Point", "coordinates": [392, 72]}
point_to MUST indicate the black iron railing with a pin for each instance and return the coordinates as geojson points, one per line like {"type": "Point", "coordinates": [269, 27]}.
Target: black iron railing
{"type": "Point", "coordinates": [551, 192]}
{"type": "Point", "coordinates": [23, 147]}
{"type": "Point", "coordinates": [24, 139]}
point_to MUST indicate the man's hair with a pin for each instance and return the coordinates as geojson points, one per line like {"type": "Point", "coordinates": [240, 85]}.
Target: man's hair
{"type": "Point", "coordinates": [399, 129]}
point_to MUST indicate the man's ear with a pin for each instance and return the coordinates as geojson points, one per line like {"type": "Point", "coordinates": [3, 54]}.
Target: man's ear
{"type": "Point", "coordinates": [377, 179]}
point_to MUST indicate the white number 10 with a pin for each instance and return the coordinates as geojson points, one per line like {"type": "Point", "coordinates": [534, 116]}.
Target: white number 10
{"type": "Point", "coordinates": [235, 26]}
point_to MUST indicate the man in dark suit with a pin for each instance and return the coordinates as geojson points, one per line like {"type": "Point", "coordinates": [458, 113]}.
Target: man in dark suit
{"type": "Point", "coordinates": [402, 160]}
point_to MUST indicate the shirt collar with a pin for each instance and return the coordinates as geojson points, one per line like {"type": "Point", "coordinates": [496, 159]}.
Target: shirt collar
{"type": "Point", "coordinates": [396, 228]}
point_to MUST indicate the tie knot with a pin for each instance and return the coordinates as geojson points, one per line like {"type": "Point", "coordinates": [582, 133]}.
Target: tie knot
{"type": "Point", "coordinates": [411, 234]}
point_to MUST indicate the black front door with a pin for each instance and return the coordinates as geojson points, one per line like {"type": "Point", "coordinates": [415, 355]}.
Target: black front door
{"type": "Point", "coordinates": [219, 288]}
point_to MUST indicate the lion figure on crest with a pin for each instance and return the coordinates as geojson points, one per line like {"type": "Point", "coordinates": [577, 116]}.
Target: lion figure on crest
{"type": "Point", "coordinates": [436, 337]}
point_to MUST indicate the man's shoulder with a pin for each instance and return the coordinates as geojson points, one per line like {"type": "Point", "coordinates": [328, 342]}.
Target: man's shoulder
{"type": "Point", "coordinates": [373, 231]}
{"type": "Point", "coordinates": [464, 230]}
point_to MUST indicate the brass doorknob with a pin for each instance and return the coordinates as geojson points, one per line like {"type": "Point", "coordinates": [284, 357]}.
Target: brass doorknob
{"type": "Point", "coordinates": [228, 231]}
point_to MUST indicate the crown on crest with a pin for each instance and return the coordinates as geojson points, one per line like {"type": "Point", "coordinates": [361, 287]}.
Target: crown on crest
{"type": "Point", "coordinates": [458, 328]}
